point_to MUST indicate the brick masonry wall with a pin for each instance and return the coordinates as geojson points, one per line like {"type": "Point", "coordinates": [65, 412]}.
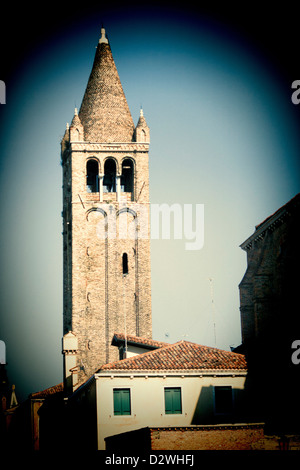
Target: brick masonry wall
{"type": "Point", "coordinates": [269, 305]}
{"type": "Point", "coordinates": [214, 438]}
{"type": "Point", "coordinates": [96, 295]}
{"type": "Point", "coordinates": [268, 292]}
{"type": "Point", "coordinates": [98, 299]}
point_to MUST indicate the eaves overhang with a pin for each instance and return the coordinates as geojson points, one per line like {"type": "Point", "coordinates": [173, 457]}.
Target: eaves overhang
{"type": "Point", "coordinates": [170, 373]}
{"type": "Point", "coordinates": [272, 222]}
{"type": "Point", "coordinates": [269, 225]}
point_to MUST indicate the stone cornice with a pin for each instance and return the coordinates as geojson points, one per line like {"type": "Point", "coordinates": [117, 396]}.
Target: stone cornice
{"type": "Point", "coordinates": [106, 147]}
{"type": "Point", "coordinates": [272, 222]}
{"type": "Point", "coordinates": [172, 373]}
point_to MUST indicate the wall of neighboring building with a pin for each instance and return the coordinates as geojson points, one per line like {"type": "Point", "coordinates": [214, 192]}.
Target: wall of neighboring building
{"type": "Point", "coordinates": [134, 350]}
{"type": "Point", "coordinates": [269, 299]}
{"type": "Point", "coordinates": [261, 289]}
{"type": "Point", "coordinates": [81, 421]}
{"type": "Point", "coordinates": [148, 402]}
{"type": "Point", "coordinates": [210, 438]}
{"type": "Point", "coordinates": [218, 437]}
{"type": "Point", "coordinates": [269, 305]}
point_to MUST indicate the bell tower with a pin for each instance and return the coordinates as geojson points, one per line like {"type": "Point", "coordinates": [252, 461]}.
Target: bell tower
{"type": "Point", "coordinates": [106, 231]}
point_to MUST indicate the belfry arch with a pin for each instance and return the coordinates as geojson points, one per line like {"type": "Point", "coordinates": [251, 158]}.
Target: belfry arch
{"type": "Point", "coordinates": [92, 176]}
{"type": "Point", "coordinates": [110, 173]}
{"type": "Point", "coordinates": [127, 178]}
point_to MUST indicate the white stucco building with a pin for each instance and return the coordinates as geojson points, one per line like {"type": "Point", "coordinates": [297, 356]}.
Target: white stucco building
{"type": "Point", "coordinates": [181, 384]}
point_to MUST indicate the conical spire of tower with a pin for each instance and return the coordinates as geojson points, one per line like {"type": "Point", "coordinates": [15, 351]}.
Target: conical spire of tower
{"type": "Point", "coordinates": [104, 111]}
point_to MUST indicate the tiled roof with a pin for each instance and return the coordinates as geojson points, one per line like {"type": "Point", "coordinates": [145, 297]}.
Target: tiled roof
{"type": "Point", "coordinates": [49, 391]}
{"type": "Point", "coordinates": [138, 341]}
{"type": "Point", "coordinates": [183, 355]}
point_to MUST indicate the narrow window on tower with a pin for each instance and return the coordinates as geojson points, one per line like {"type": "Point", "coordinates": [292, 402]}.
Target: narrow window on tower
{"type": "Point", "coordinates": [92, 172]}
{"type": "Point", "coordinates": [127, 176]}
{"type": "Point", "coordinates": [110, 171]}
{"type": "Point", "coordinates": [125, 263]}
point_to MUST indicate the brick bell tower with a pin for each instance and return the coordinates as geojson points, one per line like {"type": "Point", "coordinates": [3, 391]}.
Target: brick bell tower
{"type": "Point", "coordinates": [106, 231]}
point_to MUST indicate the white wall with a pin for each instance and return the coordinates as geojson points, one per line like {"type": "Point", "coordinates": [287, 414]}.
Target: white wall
{"type": "Point", "coordinates": [147, 402]}
{"type": "Point", "coordinates": [135, 350]}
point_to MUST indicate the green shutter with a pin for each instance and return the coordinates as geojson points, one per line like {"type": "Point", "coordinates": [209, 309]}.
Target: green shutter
{"type": "Point", "coordinates": [117, 402]}
{"type": "Point", "coordinates": [168, 401]}
{"type": "Point", "coordinates": [176, 400]}
{"type": "Point", "coordinates": [173, 401]}
{"type": "Point", "coordinates": [126, 409]}
{"type": "Point", "coordinates": [122, 401]}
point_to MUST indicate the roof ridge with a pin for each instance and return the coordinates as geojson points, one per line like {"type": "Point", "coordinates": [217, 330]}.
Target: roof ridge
{"type": "Point", "coordinates": [208, 347]}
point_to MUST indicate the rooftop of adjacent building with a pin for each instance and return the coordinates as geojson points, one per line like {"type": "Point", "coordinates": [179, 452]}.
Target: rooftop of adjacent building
{"type": "Point", "coordinates": [120, 338]}
{"type": "Point", "coordinates": [48, 391]}
{"type": "Point", "coordinates": [182, 355]}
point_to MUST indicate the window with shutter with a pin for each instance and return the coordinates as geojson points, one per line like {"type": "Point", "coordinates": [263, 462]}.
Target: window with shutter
{"type": "Point", "coordinates": [173, 400]}
{"type": "Point", "coordinates": [122, 404]}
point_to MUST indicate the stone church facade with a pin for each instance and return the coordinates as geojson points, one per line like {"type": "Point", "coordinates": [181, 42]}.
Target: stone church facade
{"type": "Point", "coordinates": [270, 321]}
{"type": "Point", "coordinates": [106, 232]}
{"type": "Point", "coordinates": [269, 300]}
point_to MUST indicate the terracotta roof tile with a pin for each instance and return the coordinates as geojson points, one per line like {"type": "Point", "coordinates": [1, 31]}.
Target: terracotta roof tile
{"type": "Point", "coordinates": [48, 391]}
{"type": "Point", "coordinates": [183, 355]}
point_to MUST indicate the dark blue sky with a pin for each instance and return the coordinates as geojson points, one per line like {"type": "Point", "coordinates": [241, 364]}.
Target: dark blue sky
{"type": "Point", "coordinates": [215, 88]}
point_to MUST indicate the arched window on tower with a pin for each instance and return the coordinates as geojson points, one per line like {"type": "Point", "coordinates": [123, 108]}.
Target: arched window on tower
{"type": "Point", "coordinates": [125, 263]}
{"type": "Point", "coordinates": [92, 176]}
{"type": "Point", "coordinates": [127, 176]}
{"type": "Point", "coordinates": [109, 181]}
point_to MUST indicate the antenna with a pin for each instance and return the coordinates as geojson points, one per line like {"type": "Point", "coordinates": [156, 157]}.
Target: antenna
{"type": "Point", "coordinates": [213, 308]}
